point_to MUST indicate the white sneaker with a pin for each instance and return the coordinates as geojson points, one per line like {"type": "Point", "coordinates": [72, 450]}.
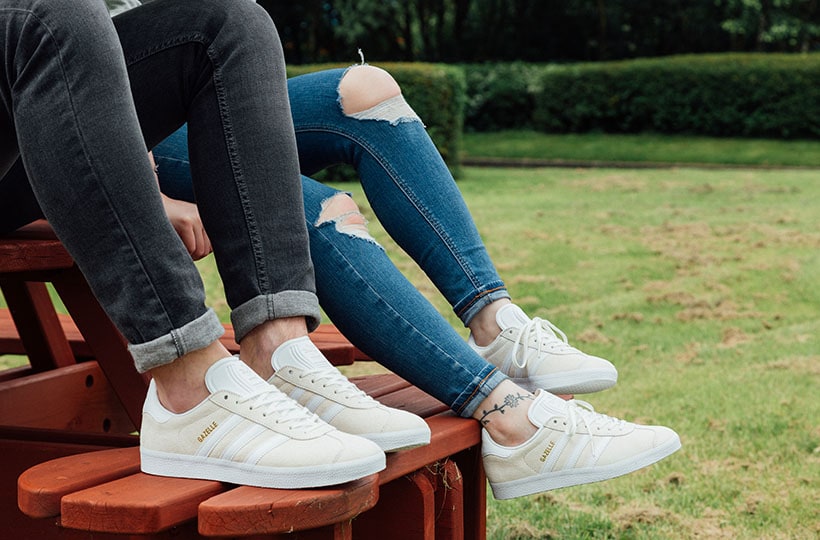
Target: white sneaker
{"type": "Point", "coordinates": [530, 352]}
{"type": "Point", "coordinates": [303, 373]}
{"type": "Point", "coordinates": [248, 432]}
{"type": "Point", "coordinates": [573, 445]}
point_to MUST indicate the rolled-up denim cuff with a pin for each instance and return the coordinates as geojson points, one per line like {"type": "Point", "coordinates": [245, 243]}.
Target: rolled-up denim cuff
{"type": "Point", "coordinates": [268, 307]}
{"type": "Point", "coordinates": [163, 350]}
{"type": "Point", "coordinates": [487, 385]}
{"type": "Point", "coordinates": [467, 314]}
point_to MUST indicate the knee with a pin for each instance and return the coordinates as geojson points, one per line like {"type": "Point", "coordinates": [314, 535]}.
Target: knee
{"type": "Point", "coordinates": [239, 23]}
{"type": "Point", "coordinates": [364, 87]}
{"type": "Point", "coordinates": [343, 212]}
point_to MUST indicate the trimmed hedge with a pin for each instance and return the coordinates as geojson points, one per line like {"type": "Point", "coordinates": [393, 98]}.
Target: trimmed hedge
{"type": "Point", "coordinates": [754, 95]}
{"type": "Point", "coordinates": [501, 96]}
{"type": "Point", "coordinates": [435, 91]}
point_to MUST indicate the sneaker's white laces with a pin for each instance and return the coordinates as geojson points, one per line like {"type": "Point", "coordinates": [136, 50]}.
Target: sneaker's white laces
{"type": "Point", "coordinates": [546, 336]}
{"type": "Point", "coordinates": [333, 379]}
{"type": "Point", "coordinates": [286, 411]}
{"type": "Point", "coordinates": [582, 413]}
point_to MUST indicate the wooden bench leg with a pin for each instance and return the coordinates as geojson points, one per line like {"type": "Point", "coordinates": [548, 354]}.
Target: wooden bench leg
{"type": "Point", "coordinates": [37, 324]}
{"type": "Point", "coordinates": [106, 343]}
{"type": "Point", "coordinates": [474, 481]}
{"type": "Point", "coordinates": [449, 501]}
{"type": "Point", "coordinates": [405, 511]}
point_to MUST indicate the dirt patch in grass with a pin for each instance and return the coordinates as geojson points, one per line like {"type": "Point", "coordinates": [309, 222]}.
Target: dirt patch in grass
{"type": "Point", "coordinates": [700, 307]}
{"type": "Point", "coordinates": [696, 246]}
{"type": "Point", "coordinates": [732, 337]}
{"type": "Point", "coordinates": [592, 335]}
{"type": "Point", "coordinates": [808, 365]}
{"type": "Point", "coordinates": [713, 524]}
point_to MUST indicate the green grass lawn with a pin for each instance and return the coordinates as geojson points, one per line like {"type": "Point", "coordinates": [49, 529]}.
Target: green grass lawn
{"type": "Point", "coordinates": [702, 287]}
{"type": "Point", "coordinates": [641, 148]}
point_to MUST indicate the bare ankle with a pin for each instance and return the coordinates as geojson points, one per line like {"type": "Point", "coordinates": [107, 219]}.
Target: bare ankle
{"type": "Point", "coordinates": [504, 414]}
{"type": "Point", "coordinates": [483, 326]}
{"type": "Point", "coordinates": [258, 345]}
{"type": "Point", "coordinates": [181, 384]}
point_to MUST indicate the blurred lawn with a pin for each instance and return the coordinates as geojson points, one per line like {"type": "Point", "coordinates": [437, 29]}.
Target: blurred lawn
{"type": "Point", "coordinates": [645, 147]}
{"type": "Point", "coordinates": [701, 286]}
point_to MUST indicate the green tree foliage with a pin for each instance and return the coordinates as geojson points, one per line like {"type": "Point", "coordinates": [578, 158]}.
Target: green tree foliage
{"type": "Point", "coordinates": [535, 31]}
{"type": "Point", "coordinates": [783, 25]}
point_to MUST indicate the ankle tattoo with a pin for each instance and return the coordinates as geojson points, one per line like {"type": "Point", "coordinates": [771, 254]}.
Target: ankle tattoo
{"type": "Point", "coordinates": [510, 402]}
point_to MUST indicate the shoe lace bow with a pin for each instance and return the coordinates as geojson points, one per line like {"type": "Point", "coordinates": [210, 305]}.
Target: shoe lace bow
{"type": "Point", "coordinates": [546, 336]}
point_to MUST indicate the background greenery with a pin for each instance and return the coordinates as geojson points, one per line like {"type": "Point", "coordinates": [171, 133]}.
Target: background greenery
{"type": "Point", "coordinates": [558, 30]}
{"type": "Point", "coordinates": [757, 95]}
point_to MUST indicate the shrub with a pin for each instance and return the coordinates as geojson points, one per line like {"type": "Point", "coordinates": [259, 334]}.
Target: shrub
{"type": "Point", "coordinates": [435, 91]}
{"type": "Point", "coordinates": [501, 96]}
{"type": "Point", "coordinates": [754, 95]}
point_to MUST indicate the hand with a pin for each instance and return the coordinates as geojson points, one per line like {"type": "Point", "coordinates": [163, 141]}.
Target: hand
{"type": "Point", "coordinates": [153, 165]}
{"type": "Point", "coordinates": [184, 217]}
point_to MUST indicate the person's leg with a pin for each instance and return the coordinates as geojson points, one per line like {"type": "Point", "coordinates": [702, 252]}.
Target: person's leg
{"type": "Point", "coordinates": [81, 147]}
{"type": "Point", "coordinates": [379, 310]}
{"type": "Point", "coordinates": [98, 190]}
{"type": "Point", "coordinates": [174, 166]}
{"type": "Point", "coordinates": [358, 116]}
{"type": "Point", "coordinates": [247, 180]}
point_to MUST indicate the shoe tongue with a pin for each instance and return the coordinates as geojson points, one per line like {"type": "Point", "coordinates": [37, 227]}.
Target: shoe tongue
{"type": "Point", "coordinates": [511, 315]}
{"type": "Point", "coordinates": [233, 375]}
{"type": "Point", "coordinates": [546, 406]}
{"type": "Point", "coordinates": [299, 352]}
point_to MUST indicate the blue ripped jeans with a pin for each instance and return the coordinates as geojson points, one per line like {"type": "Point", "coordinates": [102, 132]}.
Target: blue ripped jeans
{"type": "Point", "coordinates": [418, 203]}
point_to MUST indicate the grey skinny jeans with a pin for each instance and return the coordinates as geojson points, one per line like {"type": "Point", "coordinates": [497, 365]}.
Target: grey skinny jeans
{"type": "Point", "coordinates": [73, 143]}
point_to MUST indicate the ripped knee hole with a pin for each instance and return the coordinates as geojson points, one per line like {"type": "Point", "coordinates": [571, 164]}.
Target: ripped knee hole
{"type": "Point", "coordinates": [344, 214]}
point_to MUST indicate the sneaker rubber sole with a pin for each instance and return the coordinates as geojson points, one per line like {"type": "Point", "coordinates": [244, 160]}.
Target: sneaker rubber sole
{"type": "Point", "coordinates": [573, 382]}
{"type": "Point", "coordinates": [185, 466]}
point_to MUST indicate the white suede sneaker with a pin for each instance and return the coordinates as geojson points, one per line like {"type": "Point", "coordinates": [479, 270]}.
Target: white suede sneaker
{"type": "Point", "coordinates": [248, 432]}
{"type": "Point", "coordinates": [303, 373]}
{"type": "Point", "coordinates": [530, 352]}
{"type": "Point", "coordinates": [573, 445]}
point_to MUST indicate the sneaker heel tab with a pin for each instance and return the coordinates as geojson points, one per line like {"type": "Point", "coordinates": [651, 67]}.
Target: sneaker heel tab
{"type": "Point", "coordinates": [233, 375]}
{"type": "Point", "coordinates": [511, 316]}
{"type": "Point", "coordinates": [544, 407]}
{"type": "Point", "coordinates": [152, 406]}
{"type": "Point", "coordinates": [300, 352]}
